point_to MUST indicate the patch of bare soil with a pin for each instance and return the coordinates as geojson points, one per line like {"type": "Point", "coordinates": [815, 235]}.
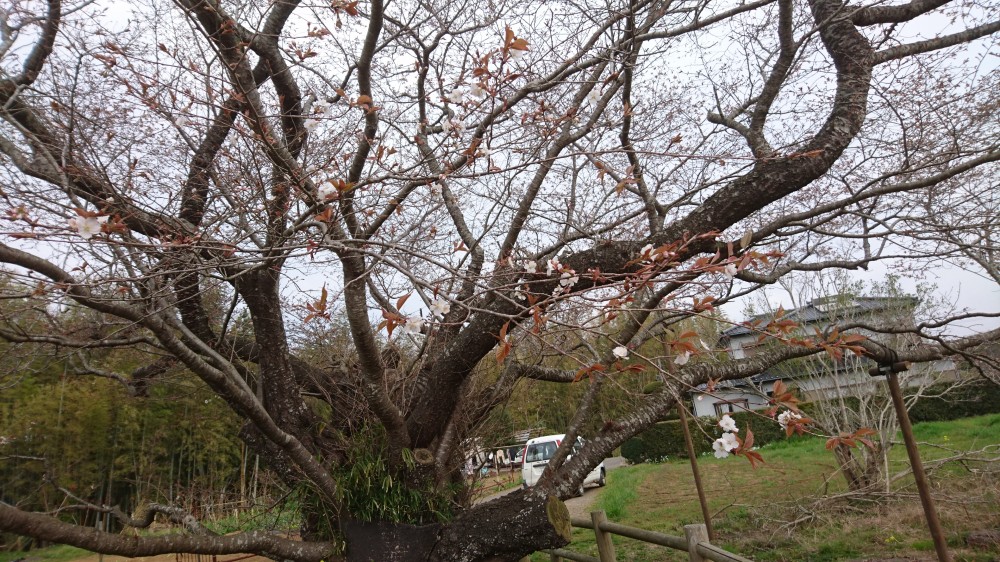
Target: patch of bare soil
{"type": "Point", "coordinates": [581, 506]}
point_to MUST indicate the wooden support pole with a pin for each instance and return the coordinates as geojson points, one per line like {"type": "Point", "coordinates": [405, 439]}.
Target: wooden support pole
{"type": "Point", "coordinates": [705, 513]}
{"type": "Point", "coordinates": [695, 534]}
{"type": "Point", "coordinates": [605, 548]}
{"type": "Point", "coordinates": [940, 544]}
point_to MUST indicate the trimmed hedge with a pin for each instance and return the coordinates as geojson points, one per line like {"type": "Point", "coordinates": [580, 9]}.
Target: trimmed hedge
{"type": "Point", "coordinates": [666, 439]}
{"type": "Point", "coordinates": [975, 399]}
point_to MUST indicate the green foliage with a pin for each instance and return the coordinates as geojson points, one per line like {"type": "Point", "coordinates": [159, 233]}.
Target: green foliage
{"type": "Point", "coordinates": [666, 439]}
{"type": "Point", "coordinates": [283, 517]}
{"type": "Point", "coordinates": [373, 491]}
{"type": "Point", "coordinates": [57, 553]}
{"type": "Point", "coordinates": [974, 399]}
{"type": "Point", "coordinates": [109, 447]}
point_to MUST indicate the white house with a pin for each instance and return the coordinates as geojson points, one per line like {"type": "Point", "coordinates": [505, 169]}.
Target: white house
{"type": "Point", "coordinates": [820, 377]}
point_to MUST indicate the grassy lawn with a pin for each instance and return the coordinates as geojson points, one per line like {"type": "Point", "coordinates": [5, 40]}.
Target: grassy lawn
{"type": "Point", "coordinates": [752, 507]}
{"type": "Point", "coordinates": [57, 553]}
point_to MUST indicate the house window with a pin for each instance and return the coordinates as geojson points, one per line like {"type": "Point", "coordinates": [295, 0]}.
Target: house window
{"type": "Point", "coordinates": [731, 406]}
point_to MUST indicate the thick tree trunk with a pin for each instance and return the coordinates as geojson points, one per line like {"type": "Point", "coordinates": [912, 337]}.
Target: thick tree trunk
{"type": "Point", "coordinates": [507, 528]}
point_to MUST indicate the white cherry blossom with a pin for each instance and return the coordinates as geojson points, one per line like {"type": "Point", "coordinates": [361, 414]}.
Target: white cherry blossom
{"type": "Point", "coordinates": [476, 91]}
{"type": "Point", "coordinates": [731, 270]}
{"type": "Point", "coordinates": [413, 325]}
{"type": "Point", "coordinates": [620, 352]}
{"type": "Point", "coordinates": [728, 424]}
{"type": "Point", "coordinates": [593, 97]}
{"type": "Point", "coordinates": [326, 190]}
{"type": "Point", "coordinates": [720, 449]}
{"type": "Point", "coordinates": [729, 441]}
{"type": "Point", "coordinates": [440, 307]}
{"type": "Point", "coordinates": [531, 267]}
{"type": "Point", "coordinates": [311, 124]}
{"type": "Point", "coordinates": [682, 358]}
{"type": "Point", "coordinates": [568, 279]}
{"type": "Point", "coordinates": [516, 54]}
{"type": "Point", "coordinates": [87, 227]}
{"type": "Point", "coordinates": [787, 417]}
{"type": "Point", "coordinates": [453, 124]}
{"type": "Point", "coordinates": [552, 265]}
{"type": "Point", "coordinates": [456, 96]}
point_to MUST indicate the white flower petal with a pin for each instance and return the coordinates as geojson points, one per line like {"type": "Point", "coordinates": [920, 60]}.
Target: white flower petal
{"type": "Point", "coordinates": [683, 358]}
{"type": "Point", "coordinates": [440, 307]}
{"type": "Point", "coordinates": [476, 91]}
{"type": "Point", "coordinates": [729, 441]}
{"type": "Point", "coordinates": [413, 325]}
{"type": "Point", "coordinates": [728, 424]}
{"type": "Point", "coordinates": [720, 449]}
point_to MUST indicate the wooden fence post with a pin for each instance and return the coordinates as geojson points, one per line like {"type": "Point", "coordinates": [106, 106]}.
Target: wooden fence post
{"type": "Point", "coordinates": [695, 534]}
{"type": "Point", "coordinates": [605, 548]}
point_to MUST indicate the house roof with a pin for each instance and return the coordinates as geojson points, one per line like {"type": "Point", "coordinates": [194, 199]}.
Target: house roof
{"type": "Point", "coordinates": [824, 310]}
{"type": "Point", "coordinates": [759, 378]}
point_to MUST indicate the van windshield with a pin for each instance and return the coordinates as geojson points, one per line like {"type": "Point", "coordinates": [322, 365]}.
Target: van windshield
{"type": "Point", "coordinates": [540, 451]}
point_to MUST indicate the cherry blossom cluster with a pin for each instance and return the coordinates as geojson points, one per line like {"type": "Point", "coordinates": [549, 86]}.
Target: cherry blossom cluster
{"type": "Point", "coordinates": [439, 307]}
{"type": "Point", "coordinates": [458, 96]}
{"type": "Point", "coordinates": [728, 442]}
{"type": "Point", "coordinates": [787, 418]}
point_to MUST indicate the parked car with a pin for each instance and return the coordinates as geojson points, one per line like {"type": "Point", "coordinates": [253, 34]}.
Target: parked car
{"type": "Point", "coordinates": [538, 452]}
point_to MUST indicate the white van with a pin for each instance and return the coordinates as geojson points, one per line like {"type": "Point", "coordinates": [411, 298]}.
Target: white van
{"type": "Point", "coordinates": [539, 450]}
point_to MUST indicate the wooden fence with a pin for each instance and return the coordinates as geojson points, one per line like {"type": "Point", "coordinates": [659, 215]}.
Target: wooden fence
{"type": "Point", "coordinates": [694, 542]}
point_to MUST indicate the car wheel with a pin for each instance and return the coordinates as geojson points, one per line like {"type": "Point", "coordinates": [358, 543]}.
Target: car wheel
{"type": "Point", "coordinates": [603, 479]}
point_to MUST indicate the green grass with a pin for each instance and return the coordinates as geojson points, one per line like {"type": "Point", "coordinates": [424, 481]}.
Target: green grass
{"type": "Point", "coordinates": [621, 491]}
{"type": "Point", "coordinates": [284, 517]}
{"type": "Point", "coordinates": [750, 505]}
{"type": "Point", "coordinates": [57, 553]}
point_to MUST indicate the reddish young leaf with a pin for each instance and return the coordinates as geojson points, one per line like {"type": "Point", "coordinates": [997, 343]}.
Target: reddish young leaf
{"type": "Point", "coordinates": [402, 300]}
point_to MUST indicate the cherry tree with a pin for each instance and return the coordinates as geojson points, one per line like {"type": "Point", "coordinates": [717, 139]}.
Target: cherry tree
{"type": "Point", "coordinates": [472, 195]}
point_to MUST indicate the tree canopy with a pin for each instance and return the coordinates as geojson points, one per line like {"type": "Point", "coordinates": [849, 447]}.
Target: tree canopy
{"type": "Point", "coordinates": [363, 224]}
